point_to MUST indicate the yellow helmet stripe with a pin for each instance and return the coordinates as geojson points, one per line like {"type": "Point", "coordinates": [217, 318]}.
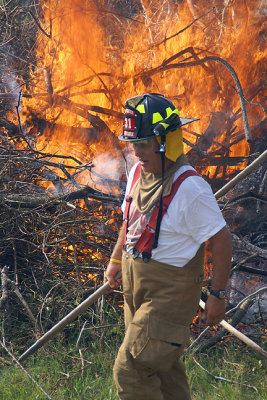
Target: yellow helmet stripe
{"type": "Point", "coordinates": [164, 125]}
{"type": "Point", "coordinates": [156, 117]}
{"type": "Point", "coordinates": [141, 108]}
{"type": "Point", "coordinates": [169, 111]}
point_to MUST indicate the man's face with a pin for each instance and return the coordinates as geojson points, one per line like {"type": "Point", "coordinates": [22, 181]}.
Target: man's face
{"type": "Point", "coordinates": [145, 150]}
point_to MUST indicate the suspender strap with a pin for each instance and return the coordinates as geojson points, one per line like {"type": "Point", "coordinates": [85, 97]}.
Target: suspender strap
{"type": "Point", "coordinates": [128, 199]}
{"type": "Point", "coordinates": [159, 217]}
{"type": "Point", "coordinates": [144, 244]}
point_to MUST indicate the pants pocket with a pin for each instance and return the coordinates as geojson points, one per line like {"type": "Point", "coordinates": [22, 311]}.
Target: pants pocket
{"type": "Point", "coordinates": [158, 343]}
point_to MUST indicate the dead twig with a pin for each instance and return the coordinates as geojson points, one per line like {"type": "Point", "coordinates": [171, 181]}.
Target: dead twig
{"type": "Point", "coordinates": [27, 308]}
{"type": "Point", "coordinates": [192, 10]}
{"type": "Point", "coordinates": [36, 20]}
{"type": "Point", "coordinates": [220, 378]}
{"type": "Point", "coordinates": [244, 246]}
{"type": "Point", "coordinates": [249, 297]}
{"type": "Point", "coordinates": [101, 291]}
{"type": "Point", "coordinates": [4, 282]}
{"type": "Point", "coordinates": [24, 369]}
{"type": "Point", "coordinates": [78, 346]}
{"type": "Point", "coordinates": [76, 265]}
{"type": "Point", "coordinates": [166, 65]}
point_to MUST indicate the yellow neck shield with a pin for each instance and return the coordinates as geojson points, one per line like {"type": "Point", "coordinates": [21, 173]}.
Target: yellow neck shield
{"type": "Point", "coordinates": [174, 144]}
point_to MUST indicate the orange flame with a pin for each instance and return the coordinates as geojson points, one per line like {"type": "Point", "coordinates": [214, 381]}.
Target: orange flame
{"type": "Point", "coordinates": [96, 56]}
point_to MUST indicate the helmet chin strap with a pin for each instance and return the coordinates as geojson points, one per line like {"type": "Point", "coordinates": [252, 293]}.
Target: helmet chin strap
{"type": "Point", "coordinates": [161, 151]}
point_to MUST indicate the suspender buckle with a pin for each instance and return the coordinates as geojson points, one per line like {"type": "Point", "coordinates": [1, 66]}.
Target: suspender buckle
{"type": "Point", "coordinates": [135, 253]}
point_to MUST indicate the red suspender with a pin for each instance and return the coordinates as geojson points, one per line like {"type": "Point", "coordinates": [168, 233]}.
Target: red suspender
{"type": "Point", "coordinates": [145, 242]}
{"type": "Point", "coordinates": [128, 199]}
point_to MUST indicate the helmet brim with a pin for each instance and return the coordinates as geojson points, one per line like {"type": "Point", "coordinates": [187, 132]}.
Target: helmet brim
{"type": "Point", "coordinates": [184, 121]}
{"type": "Point", "coordinates": [127, 139]}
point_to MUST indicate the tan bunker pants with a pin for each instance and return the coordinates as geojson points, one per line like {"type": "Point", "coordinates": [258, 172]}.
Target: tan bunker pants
{"type": "Point", "coordinates": [160, 303]}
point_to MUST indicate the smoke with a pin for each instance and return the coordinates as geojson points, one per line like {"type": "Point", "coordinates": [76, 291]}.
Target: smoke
{"type": "Point", "coordinates": [108, 166]}
{"type": "Point", "coordinates": [107, 173]}
{"type": "Point", "coordinates": [110, 171]}
{"type": "Point", "coordinates": [130, 158]}
{"type": "Point", "coordinates": [11, 86]}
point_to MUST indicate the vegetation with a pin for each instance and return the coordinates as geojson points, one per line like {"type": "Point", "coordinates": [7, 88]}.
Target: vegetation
{"type": "Point", "coordinates": [60, 372]}
{"type": "Point", "coordinates": [56, 248]}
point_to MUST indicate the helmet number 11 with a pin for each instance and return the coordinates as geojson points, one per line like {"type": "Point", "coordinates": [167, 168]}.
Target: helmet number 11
{"type": "Point", "coordinates": [129, 123]}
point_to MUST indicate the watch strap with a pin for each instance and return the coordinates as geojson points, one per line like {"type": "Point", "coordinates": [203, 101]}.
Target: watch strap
{"type": "Point", "coordinates": [220, 294]}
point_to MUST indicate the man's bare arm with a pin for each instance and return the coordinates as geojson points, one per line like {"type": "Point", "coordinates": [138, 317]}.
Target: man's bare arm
{"type": "Point", "coordinates": [113, 267]}
{"type": "Point", "coordinates": [221, 247]}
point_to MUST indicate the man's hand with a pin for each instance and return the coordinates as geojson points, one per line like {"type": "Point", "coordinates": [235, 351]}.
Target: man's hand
{"type": "Point", "coordinates": [110, 273]}
{"type": "Point", "coordinates": [214, 310]}
{"type": "Point", "coordinates": [114, 267]}
{"type": "Point", "coordinates": [221, 248]}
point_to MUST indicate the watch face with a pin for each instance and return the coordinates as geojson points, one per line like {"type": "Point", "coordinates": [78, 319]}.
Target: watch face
{"type": "Point", "coordinates": [220, 294]}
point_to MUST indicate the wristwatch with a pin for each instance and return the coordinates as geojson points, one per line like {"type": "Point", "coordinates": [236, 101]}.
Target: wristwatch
{"type": "Point", "coordinates": [220, 294]}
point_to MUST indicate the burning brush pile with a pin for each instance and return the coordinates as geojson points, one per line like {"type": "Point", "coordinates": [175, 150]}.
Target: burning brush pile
{"type": "Point", "coordinates": [62, 169]}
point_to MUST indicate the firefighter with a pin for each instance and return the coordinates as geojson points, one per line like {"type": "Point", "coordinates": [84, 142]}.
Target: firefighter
{"type": "Point", "coordinates": [169, 214]}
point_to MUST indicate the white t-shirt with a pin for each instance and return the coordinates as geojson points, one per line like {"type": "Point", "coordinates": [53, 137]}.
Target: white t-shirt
{"type": "Point", "coordinates": [192, 217]}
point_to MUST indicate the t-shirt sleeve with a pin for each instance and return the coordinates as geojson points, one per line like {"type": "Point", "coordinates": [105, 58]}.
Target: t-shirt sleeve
{"type": "Point", "coordinates": [128, 186]}
{"type": "Point", "coordinates": [202, 214]}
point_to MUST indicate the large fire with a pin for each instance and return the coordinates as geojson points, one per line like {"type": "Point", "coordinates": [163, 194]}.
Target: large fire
{"type": "Point", "coordinates": [92, 56]}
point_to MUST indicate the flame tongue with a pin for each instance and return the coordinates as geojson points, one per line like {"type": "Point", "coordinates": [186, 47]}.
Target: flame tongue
{"type": "Point", "coordinates": [98, 55]}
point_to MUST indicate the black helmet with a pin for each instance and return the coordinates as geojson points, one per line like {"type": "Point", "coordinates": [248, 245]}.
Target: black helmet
{"type": "Point", "coordinates": [150, 115]}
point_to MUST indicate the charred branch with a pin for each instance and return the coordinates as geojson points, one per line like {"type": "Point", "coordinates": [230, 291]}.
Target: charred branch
{"type": "Point", "coordinates": [167, 64]}
{"type": "Point", "coordinates": [81, 109]}
{"type": "Point", "coordinates": [11, 128]}
{"type": "Point", "coordinates": [38, 23]}
{"type": "Point", "coordinates": [239, 313]}
{"type": "Point", "coordinates": [52, 240]}
{"type": "Point", "coordinates": [18, 201]}
{"type": "Point", "coordinates": [244, 246]}
{"type": "Point", "coordinates": [196, 20]}
{"type": "Point", "coordinates": [221, 161]}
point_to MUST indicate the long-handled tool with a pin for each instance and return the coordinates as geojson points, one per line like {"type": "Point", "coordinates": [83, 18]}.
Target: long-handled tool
{"type": "Point", "coordinates": [81, 308]}
{"type": "Point", "coordinates": [105, 288]}
{"type": "Point", "coordinates": [238, 334]}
